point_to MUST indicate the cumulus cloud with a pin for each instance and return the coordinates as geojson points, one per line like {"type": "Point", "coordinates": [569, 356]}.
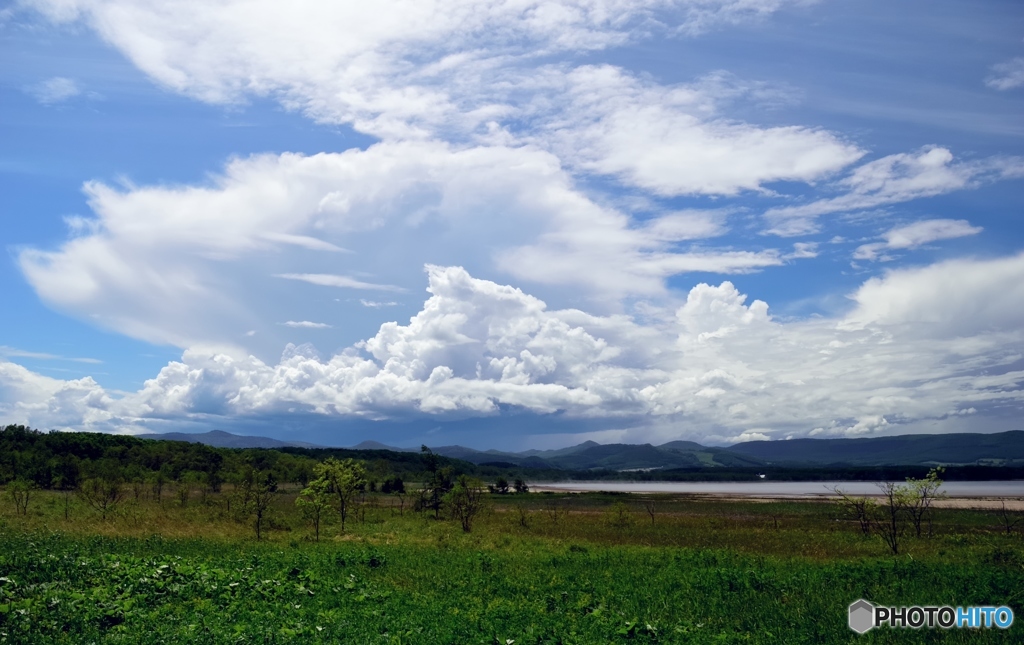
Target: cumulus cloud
{"type": "Point", "coordinates": [894, 179]}
{"type": "Point", "coordinates": [914, 235]}
{"type": "Point", "coordinates": [1007, 75]}
{"type": "Point", "coordinates": [723, 368]}
{"type": "Point", "coordinates": [197, 264]}
{"type": "Point", "coordinates": [54, 90]}
{"type": "Point", "coordinates": [961, 297]}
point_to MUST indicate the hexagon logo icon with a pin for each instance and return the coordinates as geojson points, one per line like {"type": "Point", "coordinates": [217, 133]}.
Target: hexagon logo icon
{"type": "Point", "coordinates": [862, 616]}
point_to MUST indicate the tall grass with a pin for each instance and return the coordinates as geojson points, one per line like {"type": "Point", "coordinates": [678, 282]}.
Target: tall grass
{"type": "Point", "coordinates": [579, 571]}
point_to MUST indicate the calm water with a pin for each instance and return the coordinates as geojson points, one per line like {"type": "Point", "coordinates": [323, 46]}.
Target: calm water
{"type": "Point", "coordinates": [776, 489]}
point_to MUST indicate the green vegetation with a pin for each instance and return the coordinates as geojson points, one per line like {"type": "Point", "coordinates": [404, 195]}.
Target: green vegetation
{"type": "Point", "coordinates": [535, 568]}
{"type": "Point", "coordinates": [166, 542]}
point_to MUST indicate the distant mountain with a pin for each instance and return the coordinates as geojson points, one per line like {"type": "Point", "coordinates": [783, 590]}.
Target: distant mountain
{"type": "Point", "coordinates": [221, 439]}
{"type": "Point", "coordinates": [590, 455]}
{"type": "Point", "coordinates": [1002, 448]}
{"type": "Point", "coordinates": [376, 445]}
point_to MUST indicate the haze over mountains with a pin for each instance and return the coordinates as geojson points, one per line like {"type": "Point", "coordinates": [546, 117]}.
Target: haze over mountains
{"type": "Point", "coordinates": [1004, 448]}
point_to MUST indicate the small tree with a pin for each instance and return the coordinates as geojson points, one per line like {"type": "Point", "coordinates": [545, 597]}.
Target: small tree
{"type": "Point", "coordinates": [466, 500]}
{"type": "Point", "coordinates": [395, 486]}
{"type": "Point", "coordinates": [619, 515]}
{"type": "Point", "coordinates": [62, 485]}
{"type": "Point", "coordinates": [501, 486]}
{"type": "Point", "coordinates": [256, 492]}
{"type": "Point", "coordinates": [918, 496]}
{"type": "Point", "coordinates": [20, 491]}
{"type": "Point", "coordinates": [345, 479]}
{"type": "Point", "coordinates": [859, 509]}
{"type": "Point", "coordinates": [520, 486]}
{"type": "Point", "coordinates": [156, 484]}
{"type": "Point", "coordinates": [890, 522]}
{"type": "Point", "coordinates": [437, 485]}
{"type": "Point", "coordinates": [651, 506]}
{"type": "Point", "coordinates": [102, 494]}
{"type": "Point", "coordinates": [1008, 518]}
{"type": "Point", "coordinates": [523, 515]}
{"type": "Point", "coordinates": [314, 500]}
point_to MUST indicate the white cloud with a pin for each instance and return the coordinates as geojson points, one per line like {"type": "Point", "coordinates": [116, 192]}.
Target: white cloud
{"type": "Point", "coordinates": [672, 141]}
{"type": "Point", "coordinates": [27, 397]}
{"type": "Point", "coordinates": [195, 264]}
{"type": "Point", "coordinates": [396, 69]}
{"type": "Point", "coordinates": [914, 235]}
{"type": "Point", "coordinates": [1007, 75]}
{"type": "Point", "coordinates": [723, 369]}
{"type": "Point", "coordinates": [341, 281]}
{"type": "Point", "coordinates": [54, 90]}
{"type": "Point", "coordinates": [306, 324]}
{"type": "Point", "coordinates": [374, 304]}
{"type": "Point", "coordinates": [46, 356]}
{"type": "Point", "coordinates": [960, 297]}
{"type": "Point", "coordinates": [894, 179]}
{"type": "Point", "coordinates": [471, 72]}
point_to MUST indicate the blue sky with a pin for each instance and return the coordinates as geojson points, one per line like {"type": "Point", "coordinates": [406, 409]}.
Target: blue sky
{"type": "Point", "coordinates": [513, 225]}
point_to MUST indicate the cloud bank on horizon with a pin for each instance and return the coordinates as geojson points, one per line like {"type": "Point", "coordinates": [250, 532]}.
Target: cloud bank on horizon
{"type": "Point", "coordinates": [583, 222]}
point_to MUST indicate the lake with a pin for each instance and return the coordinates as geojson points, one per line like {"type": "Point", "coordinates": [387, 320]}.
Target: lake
{"type": "Point", "coordinates": [769, 488]}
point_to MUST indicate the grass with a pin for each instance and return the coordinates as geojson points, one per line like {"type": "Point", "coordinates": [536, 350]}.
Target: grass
{"type": "Point", "coordinates": [580, 571]}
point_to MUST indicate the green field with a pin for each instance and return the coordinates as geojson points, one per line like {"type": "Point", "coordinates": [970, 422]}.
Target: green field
{"type": "Point", "coordinates": [536, 568]}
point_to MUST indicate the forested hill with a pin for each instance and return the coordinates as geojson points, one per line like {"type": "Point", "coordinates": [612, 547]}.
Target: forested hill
{"type": "Point", "coordinates": [1001, 448]}
{"type": "Point", "coordinates": [65, 459]}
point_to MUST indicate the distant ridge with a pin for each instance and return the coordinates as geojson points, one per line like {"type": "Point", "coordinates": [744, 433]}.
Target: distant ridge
{"type": "Point", "coordinates": [221, 439]}
{"type": "Point", "coordinates": [964, 448]}
{"type": "Point", "coordinates": [961, 449]}
{"type": "Point", "coordinates": [376, 445]}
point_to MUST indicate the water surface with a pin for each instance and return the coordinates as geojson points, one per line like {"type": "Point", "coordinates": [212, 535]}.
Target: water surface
{"type": "Point", "coordinates": [768, 488]}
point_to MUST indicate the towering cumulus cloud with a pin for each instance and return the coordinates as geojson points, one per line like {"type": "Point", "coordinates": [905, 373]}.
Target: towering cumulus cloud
{"type": "Point", "coordinates": [477, 346]}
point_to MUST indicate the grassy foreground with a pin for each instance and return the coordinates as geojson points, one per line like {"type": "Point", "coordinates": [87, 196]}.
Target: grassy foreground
{"type": "Point", "coordinates": [583, 569]}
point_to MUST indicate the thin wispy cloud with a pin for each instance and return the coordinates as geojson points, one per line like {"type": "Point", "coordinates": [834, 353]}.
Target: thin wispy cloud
{"type": "Point", "coordinates": [1008, 75]}
{"type": "Point", "coordinates": [340, 281]}
{"type": "Point", "coordinates": [914, 235]}
{"type": "Point", "coordinates": [54, 90]}
{"type": "Point", "coordinates": [45, 356]}
{"type": "Point", "coordinates": [306, 324]}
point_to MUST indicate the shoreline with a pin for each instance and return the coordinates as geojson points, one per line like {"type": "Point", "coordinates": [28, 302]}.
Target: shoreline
{"type": "Point", "coordinates": [1013, 502]}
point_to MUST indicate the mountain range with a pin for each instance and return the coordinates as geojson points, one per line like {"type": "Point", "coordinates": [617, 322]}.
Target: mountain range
{"type": "Point", "coordinates": [1004, 448]}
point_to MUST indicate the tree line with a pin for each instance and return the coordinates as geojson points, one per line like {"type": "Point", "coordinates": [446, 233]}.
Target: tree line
{"type": "Point", "coordinates": [103, 470]}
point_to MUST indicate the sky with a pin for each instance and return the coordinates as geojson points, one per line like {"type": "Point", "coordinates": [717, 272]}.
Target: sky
{"type": "Point", "coordinates": [513, 224]}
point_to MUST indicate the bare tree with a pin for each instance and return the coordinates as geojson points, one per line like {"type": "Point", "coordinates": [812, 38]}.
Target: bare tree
{"type": "Point", "coordinates": [102, 494]}
{"type": "Point", "coordinates": [1008, 518]}
{"type": "Point", "coordinates": [650, 505]}
{"type": "Point", "coordinates": [859, 509]}
{"type": "Point", "coordinates": [523, 514]}
{"type": "Point", "coordinates": [890, 522]}
{"type": "Point", "coordinates": [20, 490]}
{"type": "Point", "coordinates": [256, 492]}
